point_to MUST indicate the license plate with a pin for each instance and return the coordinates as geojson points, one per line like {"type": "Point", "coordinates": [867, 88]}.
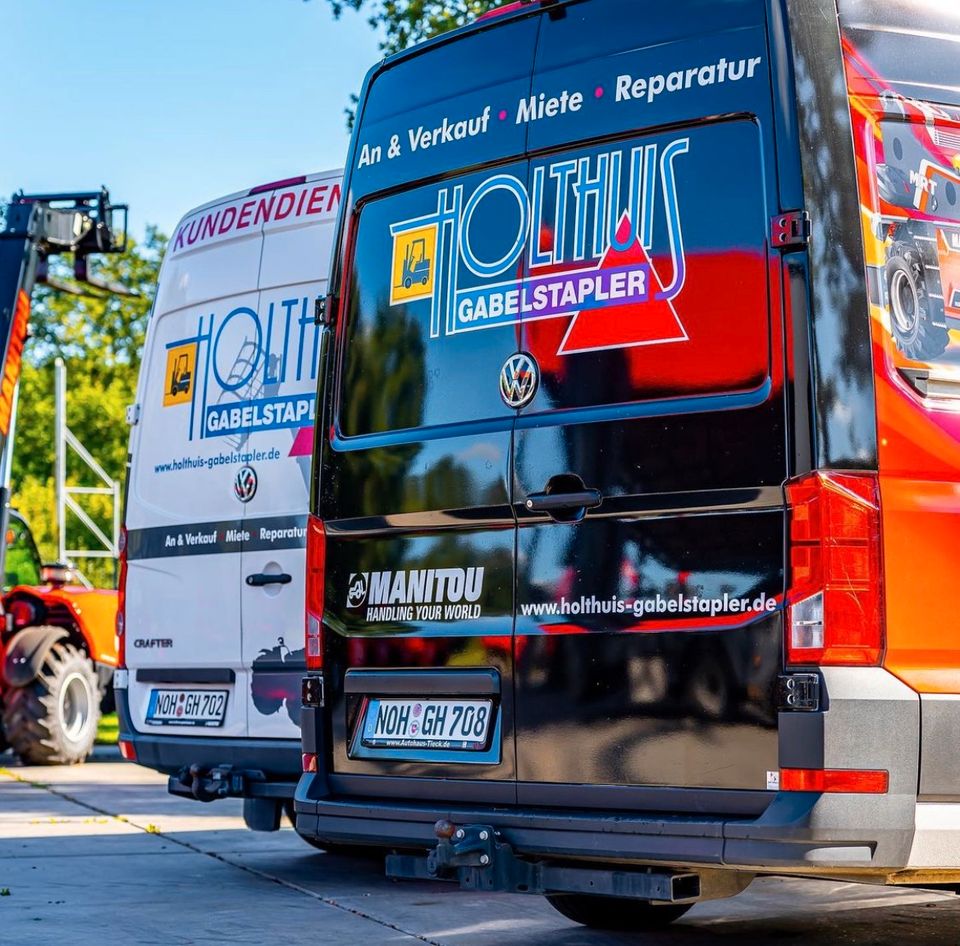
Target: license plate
{"type": "Point", "coordinates": [187, 707]}
{"type": "Point", "coordinates": [427, 724]}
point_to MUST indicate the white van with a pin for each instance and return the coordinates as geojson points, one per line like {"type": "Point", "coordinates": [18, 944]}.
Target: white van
{"type": "Point", "coordinates": [211, 607]}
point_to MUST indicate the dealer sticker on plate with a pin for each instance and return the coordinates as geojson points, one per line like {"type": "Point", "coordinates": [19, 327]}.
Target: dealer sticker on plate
{"type": "Point", "coordinates": [187, 707]}
{"type": "Point", "coordinates": [427, 724]}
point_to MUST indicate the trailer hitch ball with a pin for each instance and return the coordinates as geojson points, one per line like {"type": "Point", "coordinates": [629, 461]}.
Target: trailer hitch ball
{"type": "Point", "coordinates": [444, 830]}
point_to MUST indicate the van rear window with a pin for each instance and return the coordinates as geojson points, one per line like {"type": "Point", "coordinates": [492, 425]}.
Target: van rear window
{"type": "Point", "coordinates": [632, 271]}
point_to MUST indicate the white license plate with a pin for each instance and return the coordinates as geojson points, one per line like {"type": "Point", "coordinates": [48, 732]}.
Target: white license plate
{"type": "Point", "coordinates": [187, 707]}
{"type": "Point", "coordinates": [427, 724]}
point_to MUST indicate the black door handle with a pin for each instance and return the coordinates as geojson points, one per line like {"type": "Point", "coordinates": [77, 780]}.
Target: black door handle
{"type": "Point", "coordinates": [562, 502]}
{"type": "Point", "coordinates": [261, 579]}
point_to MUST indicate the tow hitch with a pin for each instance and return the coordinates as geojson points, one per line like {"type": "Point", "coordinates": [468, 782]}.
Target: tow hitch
{"type": "Point", "coordinates": [263, 801]}
{"type": "Point", "coordinates": [478, 858]}
{"type": "Point", "coordinates": [210, 784]}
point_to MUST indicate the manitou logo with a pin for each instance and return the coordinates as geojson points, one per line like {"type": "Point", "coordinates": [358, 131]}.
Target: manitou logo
{"type": "Point", "coordinates": [428, 594]}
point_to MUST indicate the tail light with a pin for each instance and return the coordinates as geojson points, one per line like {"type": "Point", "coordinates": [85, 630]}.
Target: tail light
{"type": "Point", "coordinates": [850, 781]}
{"type": "Point", "coordinates": [316, 560]}
{"type": "Point", "coordinates": [501, 10]}
{"type": "Point", "coordinates": [22, 613]}
{"type": "Point", "coordinates": [276, 185]}
{"type": "Point", "coordinates": [128, 750]}
{"type": "Point", "coordinates": [513, 8]}
{"type": "Point", "coordinates": [121, 626]}
{"type": "Point", "coordinates": [835, 613]}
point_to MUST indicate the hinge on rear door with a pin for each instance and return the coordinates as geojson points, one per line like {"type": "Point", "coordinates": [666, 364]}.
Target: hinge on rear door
{"type": "Point", "coordinates": [133, 414]}
{"type": "Point", "coordinates": [790, 230]}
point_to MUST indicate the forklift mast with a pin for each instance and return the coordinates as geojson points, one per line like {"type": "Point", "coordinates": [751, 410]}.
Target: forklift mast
{"type": "Point", "coordinates": [33, 228]}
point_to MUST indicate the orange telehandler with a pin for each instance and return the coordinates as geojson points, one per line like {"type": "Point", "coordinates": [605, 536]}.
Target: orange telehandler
{"type": "Point", "coordinates": [57, 644]}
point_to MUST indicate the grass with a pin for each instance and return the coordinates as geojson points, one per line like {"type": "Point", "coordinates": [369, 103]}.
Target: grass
{"type": "Point", "coordinates": [108, 730]}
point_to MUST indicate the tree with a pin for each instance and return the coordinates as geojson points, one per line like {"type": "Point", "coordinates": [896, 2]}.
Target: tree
{"type": "Point", "coordinates": [406, 22]}
{"type": "Point", "coordinates": [100, 337]}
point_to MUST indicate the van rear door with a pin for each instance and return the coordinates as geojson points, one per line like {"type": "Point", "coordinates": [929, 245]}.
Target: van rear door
{"type": "Point", "coordinates": [278, 438]}
{"type": "Point", "coordinates": [183, 516]}
{"type": "Point", "coordinates": [648, 468]}
{"type": "Point", "coordinates": [415, 481]}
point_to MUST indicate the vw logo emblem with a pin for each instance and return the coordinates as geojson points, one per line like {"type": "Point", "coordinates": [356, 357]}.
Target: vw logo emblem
{"type": "Point", "coordinates": [245, 484]}
{"type": "Point", "coordinates": [519, 380]}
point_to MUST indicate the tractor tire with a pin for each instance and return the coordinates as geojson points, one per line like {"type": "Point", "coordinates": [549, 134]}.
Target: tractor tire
{"type": "Point", "coordinates": [911, 311]}
{"type": "Point", "coordinates": [53, 721]}
{"type": "Point", "coordinates": [616, 913]}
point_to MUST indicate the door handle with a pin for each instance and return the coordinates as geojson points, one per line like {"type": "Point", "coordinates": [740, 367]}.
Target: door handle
{"type": "Point", "coordinates": [261, 578]}
{"type": "Point", "coordinates": [564, 502]}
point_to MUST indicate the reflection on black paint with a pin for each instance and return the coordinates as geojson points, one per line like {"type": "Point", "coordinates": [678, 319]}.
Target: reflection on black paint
{"type": "Point", "coordinates": [275, 681]}
{"type": "Point", "coordinates": [842, 359]}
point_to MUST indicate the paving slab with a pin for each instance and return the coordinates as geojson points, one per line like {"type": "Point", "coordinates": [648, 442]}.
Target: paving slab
{"type": "Point", "coordinates": [101, 853]}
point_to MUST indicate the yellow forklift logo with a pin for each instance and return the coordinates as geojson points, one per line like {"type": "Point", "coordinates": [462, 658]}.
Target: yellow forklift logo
{"type": "Point", "coordinates": [181, 370]}
{"type": "Point", "coordinates": [414, 269]}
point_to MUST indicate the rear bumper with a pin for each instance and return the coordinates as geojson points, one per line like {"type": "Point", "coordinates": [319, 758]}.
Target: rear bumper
{"type": "Point", "coordinates": [798, 833]}
{"type": "Point", "coordinates": [868, 720]}
{"type": "Point", "coordinates": [278, 760]}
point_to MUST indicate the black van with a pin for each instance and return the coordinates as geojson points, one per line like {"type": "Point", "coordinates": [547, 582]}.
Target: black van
{"type": "Point", "coordinates": [596, 594]}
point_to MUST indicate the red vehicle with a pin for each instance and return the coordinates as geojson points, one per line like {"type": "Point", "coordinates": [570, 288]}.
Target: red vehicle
{"type": "Point", "coordinates": [58, 654]}
{"type": "Point", "coordinates": [57, 648]}
{"type": "Point", "coordinates": [910, 186]}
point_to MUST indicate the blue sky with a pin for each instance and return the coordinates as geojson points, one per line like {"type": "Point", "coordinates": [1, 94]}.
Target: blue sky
{"type": "Point", "coordinates": [171, 103]}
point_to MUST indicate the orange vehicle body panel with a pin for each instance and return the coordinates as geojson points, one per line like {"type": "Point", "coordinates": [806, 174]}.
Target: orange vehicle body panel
{"type": "Point", "coordinates": [918, 436]}
{"type": "Point", "coordinates": [94, 612]}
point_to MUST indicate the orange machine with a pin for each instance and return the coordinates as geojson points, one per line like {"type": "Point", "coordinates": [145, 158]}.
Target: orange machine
{"type": "Point", "coordinates": [58, 654]}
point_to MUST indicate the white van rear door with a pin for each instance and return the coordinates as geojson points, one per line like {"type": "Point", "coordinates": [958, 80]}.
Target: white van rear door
{"type": "Point", "coordinates": [293, 275]}
{"type": "Point", "coordinates": [184, 519]}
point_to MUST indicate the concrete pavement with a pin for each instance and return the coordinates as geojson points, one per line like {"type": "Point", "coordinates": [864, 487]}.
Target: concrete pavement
{"type": "Point", "coordinates": [100, 853]}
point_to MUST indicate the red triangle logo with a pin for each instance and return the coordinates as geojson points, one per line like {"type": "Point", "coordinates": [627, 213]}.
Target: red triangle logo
{"type": "Point", "coordinates": [653, 322]}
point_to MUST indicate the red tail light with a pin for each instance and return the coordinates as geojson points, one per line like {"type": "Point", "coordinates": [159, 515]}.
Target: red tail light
{"type": "Point", "coordinates": [22, 612]}
{"type": "Point", "coordinates": [316, 561]}
{"type": "Point", "coordinates": [835, 614]}
{"type": "Point", "coordinates": [512, 8]}
{"type": "Point", "coordinates": [500, 11]}
{"type": "Point", "coordinates": [853, 781]}
{"type": "Point", "coordinates": [275, 185]}
{"type": "Point", "coordinates": [128, 750]}
{"type": "Point", "coordinates": [121, 639]}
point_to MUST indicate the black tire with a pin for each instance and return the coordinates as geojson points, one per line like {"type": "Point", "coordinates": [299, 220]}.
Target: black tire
{"type": "Point", "coordinates": [911, 309]}
{"type": "Point", "coordinates": [616, 913]}
{"type": "Point", "coordinates": [53, 721]}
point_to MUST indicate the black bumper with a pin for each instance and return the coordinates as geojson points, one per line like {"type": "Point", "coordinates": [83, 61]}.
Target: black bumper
{"type": "Point", "coordinates": [827, 835]}
{"type": "Point", "coordinates": [277, 760]}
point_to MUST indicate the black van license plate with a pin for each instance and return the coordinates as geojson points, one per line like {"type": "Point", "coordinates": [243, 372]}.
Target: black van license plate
{"type": "Point", "coordinates": [427, 724]}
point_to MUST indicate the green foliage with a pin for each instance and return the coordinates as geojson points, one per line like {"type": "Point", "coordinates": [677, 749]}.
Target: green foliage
{"type": "Point", "coordinates": [100, 338]}
{"type": "Point", "coordinates": [108, 730]}
{"type": "Point", "coordinates": [406, 22]}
